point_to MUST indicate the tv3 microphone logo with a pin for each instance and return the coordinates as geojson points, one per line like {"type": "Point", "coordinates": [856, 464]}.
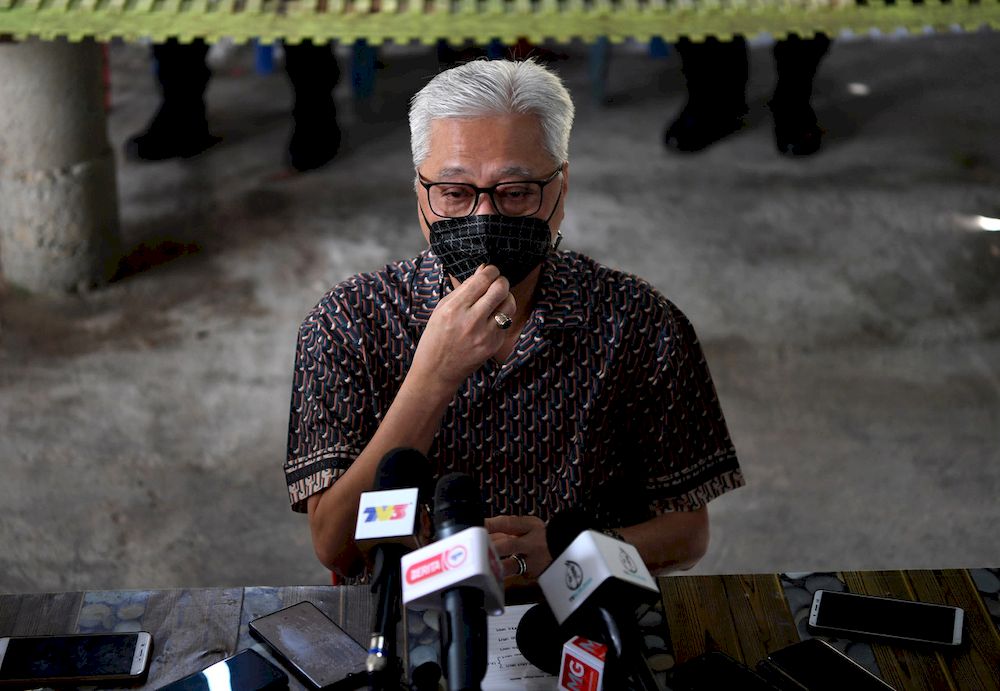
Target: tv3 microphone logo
{"type": "Point", "coordinates": [442, 561]}
{"type": "Point", "coordinates": [579, 676]}
{"type": "Point", "coordinates": [393, 512]}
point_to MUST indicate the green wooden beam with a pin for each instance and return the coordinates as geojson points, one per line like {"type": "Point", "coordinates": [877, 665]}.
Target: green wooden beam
{"type": "Point", "coordinates": [405, 21]}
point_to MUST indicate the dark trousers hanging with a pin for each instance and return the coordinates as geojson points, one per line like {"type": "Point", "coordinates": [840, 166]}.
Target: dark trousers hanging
{"type": "Point", "coordinates": [180, 127]}
{"type": "Point", "coordinates": [717, 71]}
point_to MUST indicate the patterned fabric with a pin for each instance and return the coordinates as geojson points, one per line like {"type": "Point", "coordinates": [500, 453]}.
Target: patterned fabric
{"type": "Point", "coordinates": [605, 402]}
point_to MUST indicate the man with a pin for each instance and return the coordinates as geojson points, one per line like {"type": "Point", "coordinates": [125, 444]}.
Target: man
{"type": "Point", "coordinates": [554, 381]}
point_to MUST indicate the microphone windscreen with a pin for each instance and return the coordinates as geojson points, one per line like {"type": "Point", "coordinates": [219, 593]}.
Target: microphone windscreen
{"type": "Point", "coordinates": [402, 468]}
{"type": "Point", "coordinates": [540, 640]}
{"type": "Point", "coordinates": [564, 527]}
{"type": "Point", "coordinates": [425, 677]}
{"type": "Point", "coordinates": [458, 501]}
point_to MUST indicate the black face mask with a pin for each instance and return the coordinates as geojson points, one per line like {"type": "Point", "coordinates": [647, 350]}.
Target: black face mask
{"type": "Point", "coordinates": [515, 245]}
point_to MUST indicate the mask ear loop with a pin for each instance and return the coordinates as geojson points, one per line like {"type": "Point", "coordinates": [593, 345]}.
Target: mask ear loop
{"type": "Point", "coordinates": [420, 206]}
{"type": "Point", "coordinates": [559, 236]}
{"type": "Point", "coordinates": [556, 206]}
{"type": "Point", "coordinates": [443, 283]}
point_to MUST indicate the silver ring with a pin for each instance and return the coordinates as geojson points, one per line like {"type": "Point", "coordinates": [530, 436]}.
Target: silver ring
{"type": "Point", "coordinates": [522, 564]}
{"type": "Point", "coordinates": [502, 320]}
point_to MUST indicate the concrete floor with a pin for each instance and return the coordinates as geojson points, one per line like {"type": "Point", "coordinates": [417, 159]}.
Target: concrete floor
{"type": "Point", "coordinates": [851, 319]}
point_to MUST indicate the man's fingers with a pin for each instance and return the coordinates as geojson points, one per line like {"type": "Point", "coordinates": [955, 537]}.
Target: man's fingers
{"type": "Point", "coordinates": [505, 546]}
{"type": "Point", "coordinates": [476, 285]}
{"type": "Point", "coordinates": [511, 525]}
{"type": "Point", "coordinates": [491, 300]}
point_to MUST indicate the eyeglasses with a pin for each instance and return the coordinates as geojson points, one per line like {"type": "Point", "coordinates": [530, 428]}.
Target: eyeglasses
{"type": "Point", "coordinates": [461, 199]}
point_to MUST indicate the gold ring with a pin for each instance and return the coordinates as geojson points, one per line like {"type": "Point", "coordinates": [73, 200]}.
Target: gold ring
{"type": "Point", "coordinates": [502, 320]}
{"type": "Point", "coordinates": [522, 564]}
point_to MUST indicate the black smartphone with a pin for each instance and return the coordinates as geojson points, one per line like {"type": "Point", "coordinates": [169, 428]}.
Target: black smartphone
{"type": "Point", "coordinates": [311, 645]}
{"type": "Point", "coordinates": [244, 671]}
{"type": "Point", "coordinates": [714, 671]}
{"type": "Point", "coordinates": [882, 617]}
{"type": "Point", "coordinates": [815, 665]}
{"type": "Point", "coordinates": [74, 659]}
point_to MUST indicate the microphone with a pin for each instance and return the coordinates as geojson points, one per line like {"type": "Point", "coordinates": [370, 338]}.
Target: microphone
{"type": "Point", "coordinates": [460, 576]}
{"type": "Point", "coordinates": [425, 676]}
{"type": "Point", "coordinates": [389, 525]}
{"type": "Point", "coordinates": [540, 638]}
{"type": "Point", "coordinates": [458, 505]}
{"type": "Point", "coordinates": [598, 577]}
{"type": "Point", "coordinates": [579, 663]}
{"type": "Point", "coordinates": [582, 665]}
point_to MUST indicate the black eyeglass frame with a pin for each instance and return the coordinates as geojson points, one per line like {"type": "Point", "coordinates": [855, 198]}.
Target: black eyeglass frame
{"type": "Point", "coordinates": [490, 191]}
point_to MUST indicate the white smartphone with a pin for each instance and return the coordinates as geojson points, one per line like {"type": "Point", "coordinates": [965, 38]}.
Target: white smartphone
{"type": "Point", "coordinates": [74, 658]}
{"type": "Point", "coordinates": [888, 618]}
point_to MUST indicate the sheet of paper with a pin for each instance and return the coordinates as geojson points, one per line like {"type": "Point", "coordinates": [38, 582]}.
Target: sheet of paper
{"type": "Point", "coordinates": [508, 670]}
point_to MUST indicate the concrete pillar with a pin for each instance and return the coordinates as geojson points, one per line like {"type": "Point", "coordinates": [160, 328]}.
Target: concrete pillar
{"type": "Point", "coordinates": [58, 199]}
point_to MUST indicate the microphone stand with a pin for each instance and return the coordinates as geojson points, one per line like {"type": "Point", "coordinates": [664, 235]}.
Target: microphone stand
{"type": "Point", "coordinates": [464, 638]}
{"type": "Point", "coordinates": [639, 670]}
{"type": "Point", "coordinates": [382, 663]}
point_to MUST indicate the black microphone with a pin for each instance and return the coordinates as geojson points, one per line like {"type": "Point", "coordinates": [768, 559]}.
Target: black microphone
{"type": "Point", "coordinates": [458, 505]}
{"type": "Point", "coordinates": [599, 581]}
{"type": "Point", "coordinates": [392, 529]}
{"type": "Point", "coordinates": [540, 638]}
{"type": "Point", "coordinates": [565, 526]}
{"type": "Point", "coordinates": [425, 677]}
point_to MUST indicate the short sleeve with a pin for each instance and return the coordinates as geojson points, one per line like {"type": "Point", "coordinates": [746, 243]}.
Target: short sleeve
{"type": "Point", "coordinates": [328, 422]}
{"type": "Point", "coordinates": [682, 433]}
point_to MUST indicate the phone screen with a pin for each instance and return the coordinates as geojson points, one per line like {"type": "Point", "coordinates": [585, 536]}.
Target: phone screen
{"type": "Point", "coordinates": [245, 671]}
{"type": "Point", "coordinates": [886, 617]}
{"type": "Point", "coordinates": [818, 666]}
{"type": "Point", "coordinates": [69, 656]}
{"type": "Point", "coordinates": [716, 670]}
{"type": "Point", "coordinates": [311, 643]}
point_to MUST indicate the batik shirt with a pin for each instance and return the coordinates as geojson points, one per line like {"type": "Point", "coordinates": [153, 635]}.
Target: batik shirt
{"type": "Point", "coordinates": [606, 402]}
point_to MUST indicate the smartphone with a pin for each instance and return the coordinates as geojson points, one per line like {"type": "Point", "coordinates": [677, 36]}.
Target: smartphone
{"type": "Point", "coordinates": [311, 645]}
{"type": "Point", "coordinates": [815, 665]}
{"type": "Point", "coordinates": [716, 670]}
{"type": "Point", "coordinates": [882, 617]}
{"type": "Point", "coordinates": [244, 671]}
{"type": "Point", "coordinates": [73, 659]}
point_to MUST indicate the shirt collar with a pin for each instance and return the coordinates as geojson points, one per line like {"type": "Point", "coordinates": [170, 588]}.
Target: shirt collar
{"type": "Point", "coordinates": [560, 304]}
{"type": "Point", "coordinates": [561, 300]}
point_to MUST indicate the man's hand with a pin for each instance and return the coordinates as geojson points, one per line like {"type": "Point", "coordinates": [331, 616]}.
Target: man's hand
{"type": "Point", "coordinates": [461, 334]}
{"type": "Point", "coordinates": [524, 535]}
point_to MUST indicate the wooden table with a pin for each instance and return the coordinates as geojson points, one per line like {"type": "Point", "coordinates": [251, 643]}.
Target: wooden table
{"type": "Point", "coordinates": [746, 616]}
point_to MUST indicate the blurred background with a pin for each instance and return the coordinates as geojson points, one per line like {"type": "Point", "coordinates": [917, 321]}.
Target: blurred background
{"type": "Point", "coordinates": [848, 303]}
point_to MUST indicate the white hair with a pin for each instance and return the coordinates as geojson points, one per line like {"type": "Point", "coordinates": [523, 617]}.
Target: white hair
{"type": "Point", "coordinates": [494, 87]}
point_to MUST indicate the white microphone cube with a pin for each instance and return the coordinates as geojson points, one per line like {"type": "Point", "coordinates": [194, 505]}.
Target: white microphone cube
{"type": "Point", "coordinates": [593, 561]}
{"type": "Point", "coordinates": [466, 558]}
{"type": "Point", "coordinates": [582, 666]}
{"type": "Point", "coordinates": [388, 516]}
